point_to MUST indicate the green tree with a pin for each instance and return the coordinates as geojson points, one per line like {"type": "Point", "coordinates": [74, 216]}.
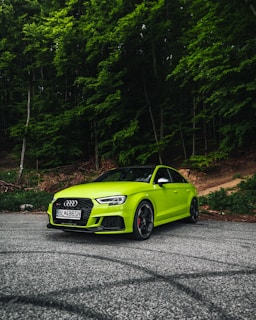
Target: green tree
{"type": "Point", "coordinates": [217, 64]}
{"type": "Point", "coordinates": [132, 51]}
{"type": "Point", "coordinates": [138, 81]}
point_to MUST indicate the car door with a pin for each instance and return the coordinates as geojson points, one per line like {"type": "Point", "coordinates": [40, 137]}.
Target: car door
{"type": "Point", "coordinates": [166, 196]}
{"type": "Point", "coordinates": [182, 191]}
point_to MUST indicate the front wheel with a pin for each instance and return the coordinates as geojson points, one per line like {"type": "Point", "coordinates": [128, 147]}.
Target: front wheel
{"type": "Point", "coordinates": [143, 221]}
{"type": "Point", "coordinates": [194, 211]}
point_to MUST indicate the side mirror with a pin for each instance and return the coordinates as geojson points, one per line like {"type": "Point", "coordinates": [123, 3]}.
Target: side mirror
{"type": "Point", "coordinates": [162, 181]}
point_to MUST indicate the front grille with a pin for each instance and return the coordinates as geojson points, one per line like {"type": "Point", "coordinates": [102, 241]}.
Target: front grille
{"type": "Point", "coordinates": [83, 204]}
{"type": "Point", "coordinates": [113, 223]}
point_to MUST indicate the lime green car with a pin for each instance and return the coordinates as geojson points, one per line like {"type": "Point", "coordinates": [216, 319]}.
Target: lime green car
{"type": "Point", "coordinates": [125, 200]}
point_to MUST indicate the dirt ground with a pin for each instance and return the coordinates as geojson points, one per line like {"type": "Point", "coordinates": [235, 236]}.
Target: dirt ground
{"type": "Point", "coordinates": [226, 174]}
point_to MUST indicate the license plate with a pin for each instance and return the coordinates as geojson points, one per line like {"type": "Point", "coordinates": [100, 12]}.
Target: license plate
{"type": "Point", "coordinates": [68, 214]}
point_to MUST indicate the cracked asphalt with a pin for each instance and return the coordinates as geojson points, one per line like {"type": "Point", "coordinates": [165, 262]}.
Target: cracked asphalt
{"type": "Point", "coordinates": [184, 271]}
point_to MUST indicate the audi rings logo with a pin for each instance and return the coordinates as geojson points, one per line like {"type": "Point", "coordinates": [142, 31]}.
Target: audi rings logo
{"type": "Point", "coordinates": [70, 203]}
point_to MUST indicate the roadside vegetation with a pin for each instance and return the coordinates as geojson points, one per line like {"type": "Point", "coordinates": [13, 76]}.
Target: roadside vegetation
{"type": "Point", "coordinates": [37, 190]}
{"type": "Point", "coordinates": [242, 200]}
{"type": "Point", "coordinates": [23, 200]}
{"type": "Point", "coordinates": [20, 197]}
{"type": "Point", "coordinates": [38, 187]}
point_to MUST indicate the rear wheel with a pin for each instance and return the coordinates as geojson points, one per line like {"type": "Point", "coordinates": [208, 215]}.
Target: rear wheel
{"type": "Point", "coordinates": [143, 221]}
{"type": "Point", "coordinates": [194, 211]}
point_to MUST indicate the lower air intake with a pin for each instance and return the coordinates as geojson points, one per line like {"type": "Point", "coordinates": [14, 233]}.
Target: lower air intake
{"type": "Point", "coordinates": [113, 223]}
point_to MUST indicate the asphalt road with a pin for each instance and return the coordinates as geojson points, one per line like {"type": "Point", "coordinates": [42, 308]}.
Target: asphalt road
{"type": "Point", "coordinates": [202, 271]}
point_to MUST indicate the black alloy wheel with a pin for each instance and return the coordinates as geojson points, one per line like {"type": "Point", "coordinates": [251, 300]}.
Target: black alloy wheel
{"type": "Point", "coordinates": [143, 221]}
{"type": "Point", "coordinates": [194, 211]}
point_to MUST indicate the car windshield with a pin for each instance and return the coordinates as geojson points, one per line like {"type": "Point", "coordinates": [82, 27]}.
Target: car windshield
{"type": "Point", "coordinates": [139, 174]}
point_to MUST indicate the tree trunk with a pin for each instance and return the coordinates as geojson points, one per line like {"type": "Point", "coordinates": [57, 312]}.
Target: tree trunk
{"type": "Point", "coordinates": [183, 144]}
{"type": "Point", "coordinates": [96, 146]}
{"type": "Point", "coordinates": [251, 6]}
{"type": "Point", "coordinates": [194, 127]}
{"type": "Point", "coordinates": [24, 139]}
{"type": "Point", "coordinates": [152, 120]}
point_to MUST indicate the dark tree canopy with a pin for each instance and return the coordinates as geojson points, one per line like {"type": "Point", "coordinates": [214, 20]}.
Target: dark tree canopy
{"type": "Point", "coordinates": [135, 81]}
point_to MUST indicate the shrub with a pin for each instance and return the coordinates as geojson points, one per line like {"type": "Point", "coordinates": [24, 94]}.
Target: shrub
{"type": "Point", "coordinates": [203, 162]}
{"type": "Point", "coordinates": [242, 201]}
{"type": "Point", "coordinates": [249, 184]}
{"type": "Point", "coordinates": [9, 176]}
{"type": "Point", "coordinates": [11, 201]}
{"type": "Point", "coordinates": [203, 200]}
{"type": "Point", "coordinates": [218, 200]}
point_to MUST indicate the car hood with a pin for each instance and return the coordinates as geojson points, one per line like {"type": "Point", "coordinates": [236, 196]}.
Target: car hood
{"type": "Point", "coordinates": [102, 189]}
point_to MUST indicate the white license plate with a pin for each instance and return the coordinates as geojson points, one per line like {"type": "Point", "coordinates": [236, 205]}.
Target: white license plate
{"type": "Point", "coordinates": [68, 214]}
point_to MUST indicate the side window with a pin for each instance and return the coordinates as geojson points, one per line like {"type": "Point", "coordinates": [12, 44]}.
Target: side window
{"type": "Point", "coordinates": [176, 177]}
{"type": "Point", "coordinates": [162, 173]}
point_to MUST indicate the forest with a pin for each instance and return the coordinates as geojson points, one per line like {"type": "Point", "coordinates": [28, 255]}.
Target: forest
{"type": "Point", "coordinates": [149, 81]}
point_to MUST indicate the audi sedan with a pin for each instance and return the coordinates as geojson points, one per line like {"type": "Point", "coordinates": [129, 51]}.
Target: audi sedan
{"type": "Point", "coordinates": [125, 200]}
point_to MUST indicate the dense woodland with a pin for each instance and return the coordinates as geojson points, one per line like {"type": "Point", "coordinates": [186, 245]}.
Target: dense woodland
{"type": "Point", "coordinates": [134, 81]}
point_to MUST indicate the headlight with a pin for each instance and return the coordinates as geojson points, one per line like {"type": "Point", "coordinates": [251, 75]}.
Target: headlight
{"type": "Point", "coordinates": [112, 201]}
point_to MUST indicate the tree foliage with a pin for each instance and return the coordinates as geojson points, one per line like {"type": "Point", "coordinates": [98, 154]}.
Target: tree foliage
{"type": "Point", "coordinates": [136, 81]}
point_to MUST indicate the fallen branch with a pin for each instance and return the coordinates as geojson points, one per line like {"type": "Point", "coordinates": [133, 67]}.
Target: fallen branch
{"type": "Point", "coordinates": [7, 185]}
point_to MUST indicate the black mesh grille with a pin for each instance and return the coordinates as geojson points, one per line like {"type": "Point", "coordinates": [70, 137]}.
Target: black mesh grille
{"type": "Point", "coordinates": [112, 223]}
{"type": "Point", "coordinates": [83, 204]}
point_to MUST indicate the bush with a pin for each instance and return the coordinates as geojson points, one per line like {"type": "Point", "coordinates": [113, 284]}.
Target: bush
{"type": "Point", "coordinates": [11, 201]}
{"type": "Point", "coordinates": [203, 162]}
{"type": "Point", "coordinates": [218, 200]}
{"type": "Point", "coordinates": [9, 176]}
{"type": "Point", "coordinates": [249, 184]}
{"type": "Point", "coordinates": [242, 201]}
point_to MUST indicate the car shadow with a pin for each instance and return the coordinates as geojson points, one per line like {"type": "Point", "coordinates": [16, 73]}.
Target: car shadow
{"type": "Point", "coordinates": [82, 237]}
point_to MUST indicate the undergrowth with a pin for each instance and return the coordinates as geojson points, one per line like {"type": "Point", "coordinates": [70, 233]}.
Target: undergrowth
{"type": "Point", "coordinates": [241, 201]}
{"type": "Point", "coordinates": [37, 187]}
{"type": "Point", "coordinates": [12, 197]}
{"type": "Point", "coordinates": [11, 201]}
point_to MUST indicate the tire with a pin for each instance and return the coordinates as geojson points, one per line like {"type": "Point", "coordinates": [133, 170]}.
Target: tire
{"type": "Point", "coordinates": [143, 223]}
{"type": "Point", "coordinates": [194, 211]}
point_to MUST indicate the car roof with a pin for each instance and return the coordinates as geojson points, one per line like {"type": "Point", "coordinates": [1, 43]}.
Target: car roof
{"type": "Point", "coordinates": [139, 166]}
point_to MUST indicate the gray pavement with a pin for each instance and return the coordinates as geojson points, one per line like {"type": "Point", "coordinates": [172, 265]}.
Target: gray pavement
{"type": "Point", "coordinates": [184, 271]}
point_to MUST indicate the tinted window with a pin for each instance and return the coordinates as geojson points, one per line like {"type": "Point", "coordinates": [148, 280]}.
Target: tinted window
{"type": "Point", "coordinates": [176, 177]}
{"type": "Point", "coordinates": [139, 174]}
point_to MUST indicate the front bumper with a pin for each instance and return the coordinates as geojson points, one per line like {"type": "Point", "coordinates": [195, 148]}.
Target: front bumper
{"type": "Point", "coordinates": [85, 230]}
{"type": "Point", "coordinates": [108, 224]}
{"type": "Point", "coordinates": [95, 217]}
